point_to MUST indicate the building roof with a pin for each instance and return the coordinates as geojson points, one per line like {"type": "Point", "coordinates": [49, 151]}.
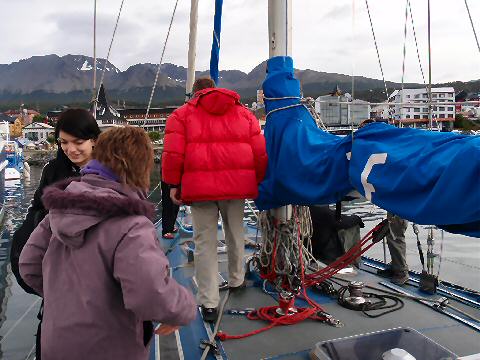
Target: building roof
{"type": "Point", "coordinates": [38, 125]}
{"type": "Point", "coordinates": [5, 117]}
{"type": "Point", "coordinates": [105, 112]}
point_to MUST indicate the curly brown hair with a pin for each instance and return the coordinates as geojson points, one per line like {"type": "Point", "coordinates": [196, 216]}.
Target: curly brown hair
{"type": "Point", "coordinates": [128, 152]}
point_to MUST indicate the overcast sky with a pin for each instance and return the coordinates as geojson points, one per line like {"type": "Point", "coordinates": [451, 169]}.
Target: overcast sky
{"type": "Point", "coordinates": [325, 38]}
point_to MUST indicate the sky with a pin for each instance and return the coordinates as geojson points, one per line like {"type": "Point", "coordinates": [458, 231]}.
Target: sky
{"type": "Point", "coordinates": [331, 36]}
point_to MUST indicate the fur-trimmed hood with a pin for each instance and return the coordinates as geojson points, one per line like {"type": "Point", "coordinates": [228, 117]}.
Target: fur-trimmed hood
{"type": "Point", "coordinates": [75, 205]}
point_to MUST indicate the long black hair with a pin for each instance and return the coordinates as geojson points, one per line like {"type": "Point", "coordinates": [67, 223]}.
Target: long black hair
{"type": "Point", "coordinates": [78, 123]}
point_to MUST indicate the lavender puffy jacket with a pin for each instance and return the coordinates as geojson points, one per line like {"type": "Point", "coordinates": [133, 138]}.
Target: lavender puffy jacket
{"type": "Point", "coordinates": [97, 262]}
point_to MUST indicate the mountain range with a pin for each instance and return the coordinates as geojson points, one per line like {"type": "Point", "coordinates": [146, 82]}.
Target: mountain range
{"type": "Point", "coordinates": [52, 80]}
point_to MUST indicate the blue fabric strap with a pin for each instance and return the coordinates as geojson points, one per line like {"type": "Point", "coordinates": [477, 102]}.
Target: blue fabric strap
{"type": "Point", "coordinates": [215, 54]}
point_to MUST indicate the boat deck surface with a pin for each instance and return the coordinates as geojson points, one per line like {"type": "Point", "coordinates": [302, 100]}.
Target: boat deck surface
{"type": "Point", "coordinates": [296, 341]}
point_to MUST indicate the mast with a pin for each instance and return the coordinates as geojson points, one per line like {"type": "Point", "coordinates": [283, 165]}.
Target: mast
{"type": "Point", "coordinates": [280, 27]}
{"type": "Point", "coordinates": [280, 44]}
{"type": "Point", "coordinates": [192, 48]}
{"type": "Point", "coordinates": [429, 72]}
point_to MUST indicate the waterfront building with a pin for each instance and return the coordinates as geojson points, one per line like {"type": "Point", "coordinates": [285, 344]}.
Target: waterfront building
{"type": "Point", "coordinates": [37, 131]}
{"type": "Point", "coordinates": [107, 116]}
{"type": "Point", "coordinates": [334, 109]}
{"type": "Point", "coordinates": [156, 120]}
{"type": "Point", "coordinates": [416, 114]}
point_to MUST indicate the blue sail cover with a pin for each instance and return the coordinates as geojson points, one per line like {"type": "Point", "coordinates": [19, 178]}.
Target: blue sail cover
{"type": "Point", "coordinates": [422, 176]}
{"type": "Point", "coordinates": [215, 54]}
{"type": "Point", "coordinates": [306, 165]}
{"type": "Point", "coordinates": [425, 177]}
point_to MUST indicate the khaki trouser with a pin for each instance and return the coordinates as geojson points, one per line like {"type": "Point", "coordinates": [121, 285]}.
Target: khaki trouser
{"type": "Point", "coordinates": [205, 230]}
{"type": "Point", "coordinates": [396, 242]}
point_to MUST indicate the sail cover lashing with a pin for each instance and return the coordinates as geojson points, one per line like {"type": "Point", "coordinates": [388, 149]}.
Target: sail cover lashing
{"type": "Point", "coordinates": [425, 177]}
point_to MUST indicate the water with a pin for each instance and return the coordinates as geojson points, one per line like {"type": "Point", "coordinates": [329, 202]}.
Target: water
{"type": "Point", "coordinates": [460, 263]}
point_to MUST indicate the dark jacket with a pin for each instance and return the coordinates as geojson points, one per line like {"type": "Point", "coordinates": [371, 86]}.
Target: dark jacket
{"type": "Point", "coordinates": [55, 170]}
{"type": "Point", "coordinates": [114, 275]}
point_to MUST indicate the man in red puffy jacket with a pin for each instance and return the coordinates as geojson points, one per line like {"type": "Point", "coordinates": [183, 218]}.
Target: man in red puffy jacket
{"type": "Point", "coordinates": [214, 158]}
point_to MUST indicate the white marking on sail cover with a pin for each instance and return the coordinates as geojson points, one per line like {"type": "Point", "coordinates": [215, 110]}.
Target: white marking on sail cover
{"type": "Point", "coordinates": [157, 347]}
{"type": "Point", "coordinates": [374, 159]}
{"type": "Point", "coordinates": [349, 155]}
{"type": "Point", "coordinates": [179, 345]}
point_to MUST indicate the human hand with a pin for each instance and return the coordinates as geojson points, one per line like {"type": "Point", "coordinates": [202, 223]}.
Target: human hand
{"type": "Point", "coordinates": [175, 195]}
{"type": "Point", "coordinates": [166, 329]}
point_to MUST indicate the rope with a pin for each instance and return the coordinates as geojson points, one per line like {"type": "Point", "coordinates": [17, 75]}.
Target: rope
{"type": "Point", "coordinates": [284, 108]}
{"type": "Point", "coordinates": [376, 48]}
{"type": "Point", "coordinates": [159, 65]}
{"type": "Point", "coordinates": [109, 49]}
{"type": "Point", "coordinates": [282, 259]}
{"type": "Point", "coordinates": [270, 314]}
{"type": "Point", "coordinates": [473, 27]}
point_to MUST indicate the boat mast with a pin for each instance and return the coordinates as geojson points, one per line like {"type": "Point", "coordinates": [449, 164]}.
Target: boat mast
{"type": "Point", "coordinates": [94, 105]}
{"type": "Point", "coordinates": [280, 44]}
{"type": "Point", "coordinates": [192, 48]}
{"type": "Point", "coordinates": [280, 27]}
{"type": "Point", "coordinates": [429, 72]}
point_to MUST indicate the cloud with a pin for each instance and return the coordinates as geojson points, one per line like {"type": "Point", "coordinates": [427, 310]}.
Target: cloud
{"type": "Point", "coordinates": [322, 34]}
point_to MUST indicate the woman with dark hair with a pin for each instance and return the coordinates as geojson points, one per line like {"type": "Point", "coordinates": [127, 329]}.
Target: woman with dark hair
{"type": "Point", "coordinates": [114, 279]}
{"type": "Point", "coordinates": [75, 133]}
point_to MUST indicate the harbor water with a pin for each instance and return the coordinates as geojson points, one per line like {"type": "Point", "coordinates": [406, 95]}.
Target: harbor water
{"type": "Point", "coordinates": [459, 261]}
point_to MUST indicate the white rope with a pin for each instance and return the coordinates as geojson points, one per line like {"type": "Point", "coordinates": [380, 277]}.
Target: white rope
{"type": "Point", "coordinates": [284, 108]}
{"type": "Point", "coordinates": [283, 239]}
{"type": "Point", "coordinates": [109, 50]}
{"type": "Point", "coordinates": [473, 27]}
{"type": "Point", "coordinates": [159, 65]}
{"type": "Point", "coordinates": [281, 98]}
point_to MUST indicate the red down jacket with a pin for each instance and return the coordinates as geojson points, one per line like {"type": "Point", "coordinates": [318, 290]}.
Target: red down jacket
{"type": "Point", "coordinates": [214, 149]}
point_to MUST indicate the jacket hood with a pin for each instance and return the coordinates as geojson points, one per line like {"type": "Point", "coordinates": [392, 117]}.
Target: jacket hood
{"type": "Point", "coordinates": [78, 204]}
{"type": "Point", "coordinates": [215, 100]}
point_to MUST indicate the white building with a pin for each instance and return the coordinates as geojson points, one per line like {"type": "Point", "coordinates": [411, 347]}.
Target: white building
{"type": "Point", "coordinates": [156, 121]}
{"type": "Point", "coordinates": [417, 112]}
{"type": "Point", "coordinates": [37, 131]}
{"type": "Point", "coordinates": [334, 110]}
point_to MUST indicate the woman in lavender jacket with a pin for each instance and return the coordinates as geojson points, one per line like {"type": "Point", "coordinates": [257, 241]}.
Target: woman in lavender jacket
{"type": "Point", "coordinates": [97, 262]}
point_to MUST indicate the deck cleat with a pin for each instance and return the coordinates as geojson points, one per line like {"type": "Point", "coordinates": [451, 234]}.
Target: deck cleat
{"type": "Point", "coordinates": [329, 319]}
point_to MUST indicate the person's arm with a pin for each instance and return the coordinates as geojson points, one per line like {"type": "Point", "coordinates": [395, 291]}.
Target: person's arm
{"type": "Point", "coordinates": [173, 150]}
{"type": "Point", "coordinates": [35, 214]}
{"type": "Point", "coordinates": [32, 255]}
{"type": "Point", "coordinates": [257, 141]}
{"type": "Point", "coordinates": [141, 268]}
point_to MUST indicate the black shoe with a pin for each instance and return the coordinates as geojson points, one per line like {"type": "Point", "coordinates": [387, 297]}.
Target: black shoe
{"type": "Point", "coordinates": [209, 314]}
{"type": "Point", "coordinates": [387, 272]}
{"type": "Point", "coordinates": [237, 288]}
{"type": "Point", "coordinates": [400, 277]}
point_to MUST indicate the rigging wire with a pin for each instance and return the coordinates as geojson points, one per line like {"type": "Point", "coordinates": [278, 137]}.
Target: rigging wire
{"type": "Point", "coordinates": [350, 120]}
{"type": "Point", "coordinates": [376, 48]}
{"type": "Point", "coordinates": [404, 44]}
{"type": "Point", "coordinates": [109, 50]}
{"type": "Point", "coordinates": [160, 64]}
{"type": "Point", "coordinates": [473, 27]}
{"type": "Point", "coordinates": [416, 43]}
